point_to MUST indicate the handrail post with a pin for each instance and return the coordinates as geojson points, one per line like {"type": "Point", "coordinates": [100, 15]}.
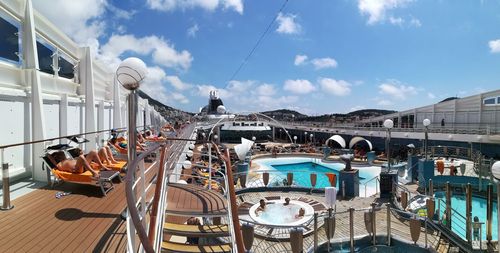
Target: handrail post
{"type": "Point", "coordinates": [315, 232]}
{"type": "Point", "coordinates": [351, 229]}
{"type": "Point", "coordinates": [388, 225]}
{"type": "Point", "coordinates": [5, 184]}
{"type": "Point", "coordinates": [374, 224]}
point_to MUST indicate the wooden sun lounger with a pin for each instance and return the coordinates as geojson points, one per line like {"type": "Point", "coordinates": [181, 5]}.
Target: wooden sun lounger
{"type": "Point", "coordinates": [173, 247]}
{"type": "Point", "coordinates": [196, 230]}
{"type": "Point", "coordinates": [104, 182]}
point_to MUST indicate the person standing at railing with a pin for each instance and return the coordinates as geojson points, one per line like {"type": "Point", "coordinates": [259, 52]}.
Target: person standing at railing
{"type": "Point", "coordinates": [476, 226]}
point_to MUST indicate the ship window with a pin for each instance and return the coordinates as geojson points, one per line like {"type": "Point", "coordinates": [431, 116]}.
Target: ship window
{"type": "Point", "coordinates": [9, 41]}
{"type": "Point", "coordinates": [66, 68]}
{"type": "Point", "coordinates": [44, 58]}
{"type": "Point", "coordinates": [489, 101]}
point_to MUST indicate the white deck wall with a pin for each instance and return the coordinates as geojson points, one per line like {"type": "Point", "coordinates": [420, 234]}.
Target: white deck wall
{"type": "Point", "coordinates": [64, 100]}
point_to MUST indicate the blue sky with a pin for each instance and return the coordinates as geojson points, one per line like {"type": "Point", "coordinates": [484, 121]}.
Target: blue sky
{"type": "Point", "coordinates": [319, 56]}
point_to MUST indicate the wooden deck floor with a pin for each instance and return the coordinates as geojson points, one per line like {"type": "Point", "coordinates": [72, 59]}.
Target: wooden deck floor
{"type": "Point", "coordinates": [83, 221]}
{"type": "Point", "coordinates": [195, 201]}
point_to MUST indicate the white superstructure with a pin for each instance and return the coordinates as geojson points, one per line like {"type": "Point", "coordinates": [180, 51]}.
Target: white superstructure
{"type": "Point", "coordinates": [54, 88]}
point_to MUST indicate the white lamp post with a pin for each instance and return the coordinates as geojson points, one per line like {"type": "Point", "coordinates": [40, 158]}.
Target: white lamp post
{"type": "Point", "coordinates": [305, 137]}
{"type": "Point", "coordinates": [254, 138]}
{"type": "Point", "coordinates": [186, 164]}
{"type": "Point", "coordinates": [388, 124]}
{"type": "Point", "coordinates": [311, 137]}
{"type": "Point", "coordinates": [427, 123]}
{"type": "Point", "coordinates": [295, 139]}
{"type": "Point", "coordinates": [495, 170]}
{"type": "Point", "coordinates": [130, 73]}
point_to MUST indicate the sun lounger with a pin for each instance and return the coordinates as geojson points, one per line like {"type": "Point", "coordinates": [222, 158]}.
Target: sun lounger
{"type": "Point", "coordinates": [104, 181]}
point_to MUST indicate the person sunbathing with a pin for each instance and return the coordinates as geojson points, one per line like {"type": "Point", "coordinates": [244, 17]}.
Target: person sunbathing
{"type": "Point", "coordinates": [106, 156]}
{"type": "Point", "coordinates": [79, 164]}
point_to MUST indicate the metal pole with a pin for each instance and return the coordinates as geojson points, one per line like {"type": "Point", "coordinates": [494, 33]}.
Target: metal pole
{"type": "Point", "coordinates": [448, 205]}
{"type": "Point", "coordinates": [329, 227]}
{"type": "Point", "coordinates": [388, 225]}
{"type": "Point", "coordinates": [315, 232]}
{"type": "Point", "coordinates": [374, 224]}
{"type": "Point", "coordinates": [6, 184]}
{"type": "Point", "coordinates": [489, 213]}
{"type": "Point", "coordinates": [388, 149]}
{"type": "Point", "coordinates": [210, 166]}
{"type": "Point", "coordinates": [498, 211]}
{"type": "Point", "coordinates": [431, 188]}
{"type": "Point", "coordinates": [425, 142]}
{"type": "Point", "coordinates": [351, 228]}
{"type": "Point", "coordinates": [425, 221]}
{"type": "Point", "coordinates": [468, 212]}
{"type": "Point", "coordinates": [132, 119]}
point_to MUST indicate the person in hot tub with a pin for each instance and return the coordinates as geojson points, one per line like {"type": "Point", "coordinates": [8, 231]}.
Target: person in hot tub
{"type": "Point", "coordinates": [261, 207]}
{"type": "Point", "coordinates": [287, 201]}
{"type": "Point", "coordinates": [301, 214]}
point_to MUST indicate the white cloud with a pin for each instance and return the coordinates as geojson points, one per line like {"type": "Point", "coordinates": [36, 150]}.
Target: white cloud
{"type": "Point", "coordinates": [376, 10]}
{"type": "Point", "coordinates": [266, 89]}
{"type": "Point", "coordinates": [287, 24]}
{"type": "Point", "coordinates": [162, 52]}
{"type": "Point", "coordinates": [415, 22]}
{"type": "Point", "coordinates": [191, 31]}
{"type": "Point", "coordinates": [299, 86]}
{"type": "Point", "coordinates": [396, 21]}
{"type": "Point", "coordinates": [300, 59]}
{"type": "Point", "coordinates": [395, 89]}
{"type": "Point", "coordinates": [322, 63]}
{"type": "Point", "coordinates": [318, 63]}
{"type": "Point", "coordinates": [180, 98]}
{"type": "Point", "coordinates": [335, 87]}
{"type": "Point", "coordinates": [431, 95]}
{"type": "Point", "coordinates": [384, 102]}
{"type": "Point", "coordinates": [249, 95]}
{"type": "Point", "coordinates": [209, 5]}
{"type": "Point", "coordinates": [494, 46]}
{"type": "Point", "coordinates": [176, 82]}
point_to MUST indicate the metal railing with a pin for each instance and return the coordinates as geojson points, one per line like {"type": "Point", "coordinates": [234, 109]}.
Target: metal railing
{"type": "Point", "coordinates": [137, 189]}
{"type": "Point", "coordinates": [6, 205]}
{"type": "Point", "coordinates": [377, 181]}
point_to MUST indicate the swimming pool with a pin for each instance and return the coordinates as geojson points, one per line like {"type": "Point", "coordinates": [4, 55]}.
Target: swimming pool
{"type": "Point", "coordinates": [478, 209]}
{"type": "Point", "coordinates": [304, 166]}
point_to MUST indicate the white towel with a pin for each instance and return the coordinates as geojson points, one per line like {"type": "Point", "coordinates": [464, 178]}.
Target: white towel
{"type": "Point", "coordinates": [330, 196]}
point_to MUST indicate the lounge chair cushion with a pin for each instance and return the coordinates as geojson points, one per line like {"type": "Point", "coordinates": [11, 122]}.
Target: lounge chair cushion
{"type": "Point", "coordinates": [118, 166]}
{"type": "Point", "coordinates": [84, 177]}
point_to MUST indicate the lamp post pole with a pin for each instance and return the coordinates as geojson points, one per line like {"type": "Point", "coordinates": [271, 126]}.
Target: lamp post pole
{"type": "Point", "coordinates": [305, 137]}
{"type": "Point", "coordinates": [388, 124]}
{"type": "Point", "coordinates": [426, 123]}
{"type": "Point", "coordinates": [495, 170]}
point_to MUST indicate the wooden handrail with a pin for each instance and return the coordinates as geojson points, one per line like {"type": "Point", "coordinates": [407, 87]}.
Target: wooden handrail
{"type": "Point", "coordinates": [157, 195]}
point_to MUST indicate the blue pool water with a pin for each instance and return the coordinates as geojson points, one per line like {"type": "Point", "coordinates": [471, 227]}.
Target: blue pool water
{"type": "Point", "coordinates": [478, 209]}
{"type": "Point", "coordinates": [303, 177]}
{"type": "Point", "coordinates": [303, 167]}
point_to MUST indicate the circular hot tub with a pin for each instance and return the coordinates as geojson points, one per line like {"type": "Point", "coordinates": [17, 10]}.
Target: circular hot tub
{"type": "Point", "coordinates": [276, 213]}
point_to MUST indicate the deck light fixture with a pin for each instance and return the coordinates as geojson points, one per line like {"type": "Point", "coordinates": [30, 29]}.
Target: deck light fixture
{"type": "Point", "coordinates": [495, 170]}
{"type": "Point", "coordinates": [388, 124]}
{"type": "Point", "coordinates": [427, 123]}
{"type": "Point", "coordinates": [186, 164]}
{"type": "Point", "coordinates": [130, 74]}
{"type": "Point", "coordinates": [295, 139]}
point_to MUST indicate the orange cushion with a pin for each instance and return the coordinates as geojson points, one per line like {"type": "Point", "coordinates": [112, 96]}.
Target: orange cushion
{"type": "Point", "coordinates": [118, 166]}
{"type": "Point", "coordinates": [84, 177]}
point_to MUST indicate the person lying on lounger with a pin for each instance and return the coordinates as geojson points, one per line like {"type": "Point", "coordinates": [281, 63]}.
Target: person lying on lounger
{"type": "Point", "coordinates": [78, 165]}
{"type": "Point", "coordinates": [106, 156]}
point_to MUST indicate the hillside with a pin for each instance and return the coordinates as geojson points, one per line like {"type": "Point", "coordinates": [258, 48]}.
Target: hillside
{"type": "Point", "coordinates": [169, 113]}
{"type": "Point", "coordinates": [285, 114]}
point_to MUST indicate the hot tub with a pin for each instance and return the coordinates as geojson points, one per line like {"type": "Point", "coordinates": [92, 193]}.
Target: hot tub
{"type": "Point", "coordinates": [278, 214]}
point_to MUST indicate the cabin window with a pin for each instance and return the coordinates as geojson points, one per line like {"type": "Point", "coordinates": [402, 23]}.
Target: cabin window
{"type": "Point", "coordinates": [9, 41]}
{"type": "Point", "coordinates": [45, 58]}
{"type": "Point", "coordinates": [489, 101]}
{"type": "Point", "coordinates": [66, 68]}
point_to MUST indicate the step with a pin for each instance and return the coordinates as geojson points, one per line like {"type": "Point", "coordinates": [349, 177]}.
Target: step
{"type": "Point", "coordinates": [172, 247]}
{"type": "Point", "coordinates": [195, 230]}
